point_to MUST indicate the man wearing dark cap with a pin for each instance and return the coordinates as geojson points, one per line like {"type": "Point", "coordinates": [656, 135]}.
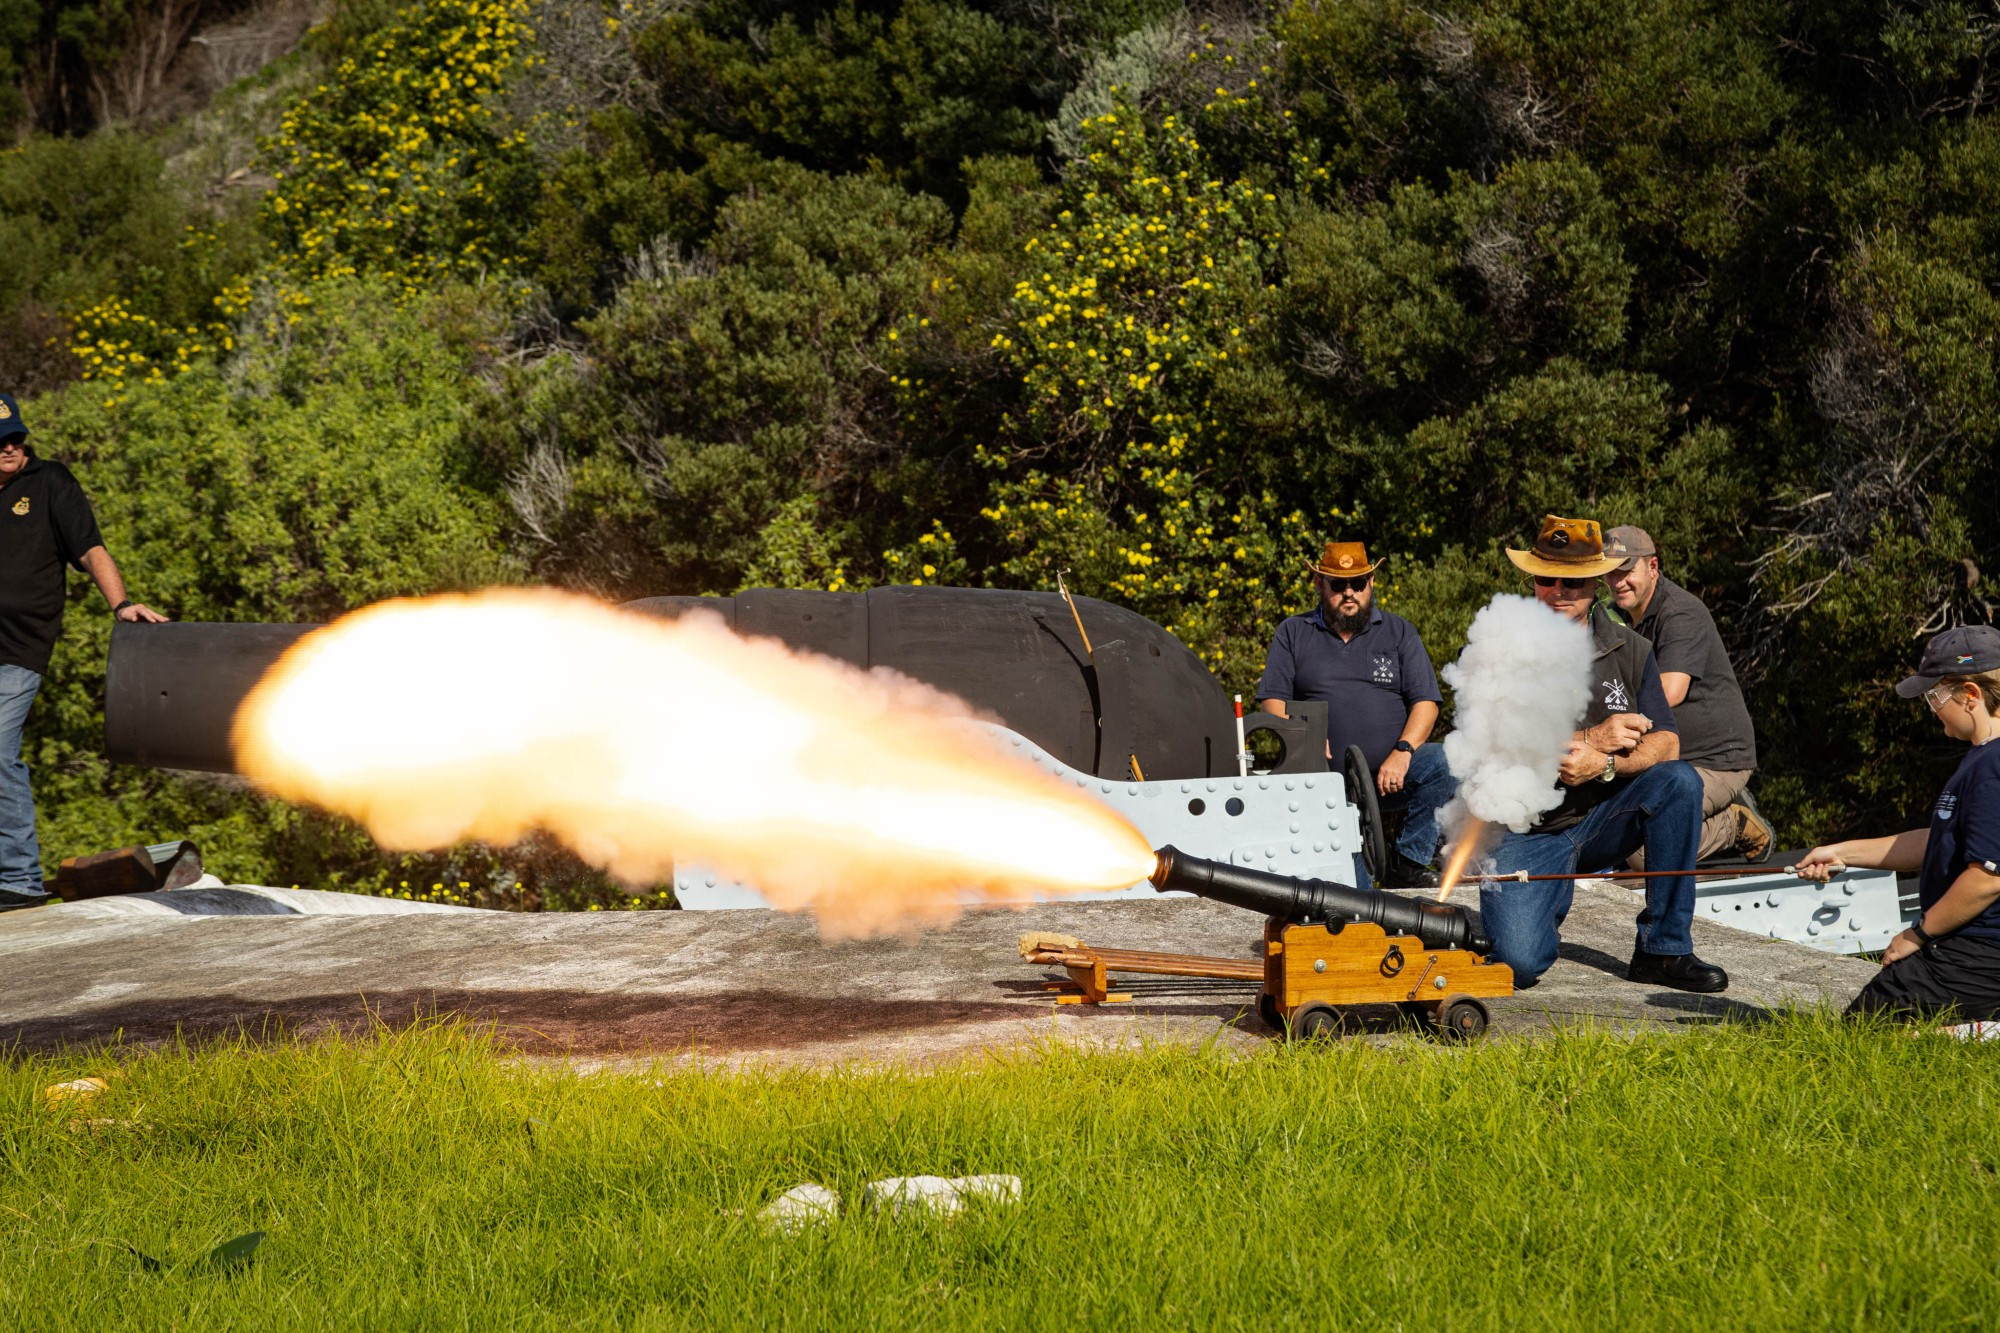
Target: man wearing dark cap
{"type": "Point", "coordinates": [1700, 684]}
{"type": "Point", "coordinates": [45, 524]}
{"type": "Point", "coordinates": [1370, 667]}
{"type": "Point", "coordinates": [1947, 962]}
{"type": "Point", "coordinates": [1623, 788]}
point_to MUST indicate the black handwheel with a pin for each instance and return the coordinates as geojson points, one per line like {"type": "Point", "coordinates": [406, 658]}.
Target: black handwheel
{"type": "Point", "coordinates": [1361, 792]}
{"type": "Point", "coordinates": [1461, 1019]}
{"type": "Point", "coordinates": [1314, 1020]}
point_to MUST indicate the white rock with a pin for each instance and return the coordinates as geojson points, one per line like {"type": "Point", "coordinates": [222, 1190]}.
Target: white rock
{"type": "Point", "coordinates": [904, 1194]}
{"type": "Point", "coordinates": [800, 1207]}
{"type": "Point", "coordinates": [993, 1189]}
{"type": "Point", "coordinates": [937, 1194]}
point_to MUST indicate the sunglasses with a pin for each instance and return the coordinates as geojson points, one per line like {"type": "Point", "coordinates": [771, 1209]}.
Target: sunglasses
{"type": "Point", "coordinates": [1542, 581]}
{"type": "Point", "coordinates": [13, 442]}
{"type": "Point", "coordinates": [1346, 585]}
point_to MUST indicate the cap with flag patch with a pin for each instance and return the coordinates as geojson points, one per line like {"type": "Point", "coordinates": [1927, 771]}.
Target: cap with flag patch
{"type": "Point", "coordinates": [1965, 651]}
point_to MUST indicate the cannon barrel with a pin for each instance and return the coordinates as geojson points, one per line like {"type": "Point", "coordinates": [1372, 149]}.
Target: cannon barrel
{"type": "Point", "coordinates": [1302, 901]}
{"type": "Point", "coordinates": [1137, 695]}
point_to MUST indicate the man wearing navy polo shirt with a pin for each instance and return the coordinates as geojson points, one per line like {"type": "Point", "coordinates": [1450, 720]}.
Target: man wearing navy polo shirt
{"type": "Point", "coordinates": [1381, 693]}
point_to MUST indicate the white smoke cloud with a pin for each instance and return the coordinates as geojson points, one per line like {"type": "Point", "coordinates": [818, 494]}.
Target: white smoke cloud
{"type": "Point", "coordinates": [1522, 685]}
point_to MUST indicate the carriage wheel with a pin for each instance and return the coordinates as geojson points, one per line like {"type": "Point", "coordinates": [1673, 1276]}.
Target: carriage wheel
{"type": "Point", "coordinates": [1361, 794]}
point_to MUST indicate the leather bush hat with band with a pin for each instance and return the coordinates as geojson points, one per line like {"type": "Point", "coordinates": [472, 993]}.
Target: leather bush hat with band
{"type": "Point", "coordinates": [1343, 560]}
{"type": "Point", "coordinates": [1567, 548]}
{"type": "Point", "coordinates": [1965, 651]}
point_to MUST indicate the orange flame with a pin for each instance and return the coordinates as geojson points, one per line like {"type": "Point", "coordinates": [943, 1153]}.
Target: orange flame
{"type": "Point", "coordinates": [1469, 837]}
{"type": "Point", "coordinates": [865, 796]}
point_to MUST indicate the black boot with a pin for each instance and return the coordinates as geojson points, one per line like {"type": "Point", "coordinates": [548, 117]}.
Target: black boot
{"type": "Point", "coordinates": [1679, 971]}
{"type": "Point", "coordinates": [1403, 873]}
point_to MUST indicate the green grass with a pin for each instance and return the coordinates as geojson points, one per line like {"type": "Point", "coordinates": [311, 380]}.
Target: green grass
{"type": "Point", "coordinates": [1800, 1174]}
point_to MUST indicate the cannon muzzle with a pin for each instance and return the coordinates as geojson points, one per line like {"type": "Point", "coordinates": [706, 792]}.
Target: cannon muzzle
{"type": "Point", "coordinates": [1307, 901]}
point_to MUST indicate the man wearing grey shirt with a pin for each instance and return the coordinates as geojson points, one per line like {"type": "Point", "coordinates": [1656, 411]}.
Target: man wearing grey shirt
{"type": "Point", "coordinates": [1716, 735]}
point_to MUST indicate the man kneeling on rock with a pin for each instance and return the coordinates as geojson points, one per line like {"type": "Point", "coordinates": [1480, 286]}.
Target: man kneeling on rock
{"type": "Point", "coordinates": [1623, 788]}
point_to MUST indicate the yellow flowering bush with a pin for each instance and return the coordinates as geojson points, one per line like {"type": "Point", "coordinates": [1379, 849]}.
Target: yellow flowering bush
{"type": "Point", "coordinates": [401, 165]}
{"type": "Point", "coordinates": [1139, 295]}
{"type": "Point", "coordinates": [1146, 284]}
{"type": "Point", "coordinates": [117, 343]}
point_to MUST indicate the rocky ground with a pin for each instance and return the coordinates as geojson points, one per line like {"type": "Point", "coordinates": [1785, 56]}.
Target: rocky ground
{"type": "Point", "coordinates": [743, 985]}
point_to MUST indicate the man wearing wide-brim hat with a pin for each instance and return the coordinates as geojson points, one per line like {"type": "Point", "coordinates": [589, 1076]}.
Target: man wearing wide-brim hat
{"type": "Point", "coordinates": [1621, 787]}
{"type": "Point", "coordinates": [1370, 667]}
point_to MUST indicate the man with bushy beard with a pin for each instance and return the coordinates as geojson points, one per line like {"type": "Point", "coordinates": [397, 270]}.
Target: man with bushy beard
{"type": "Point", "coordinates": [1370, 667]}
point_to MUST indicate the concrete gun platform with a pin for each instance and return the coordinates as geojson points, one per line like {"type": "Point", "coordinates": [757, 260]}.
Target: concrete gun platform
{"type": "Point", "coordinates": [743, 986]}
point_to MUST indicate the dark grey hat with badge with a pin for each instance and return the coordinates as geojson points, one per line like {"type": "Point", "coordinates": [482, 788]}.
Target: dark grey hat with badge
{"type": "Point", "coordinates": [1965, 651]}
{"type": "Point", "coordinates": [10, 419]}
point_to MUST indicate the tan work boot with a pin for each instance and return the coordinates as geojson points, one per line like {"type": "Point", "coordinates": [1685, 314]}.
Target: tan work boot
{"type": "Point", "coordinates": [1753, 832]}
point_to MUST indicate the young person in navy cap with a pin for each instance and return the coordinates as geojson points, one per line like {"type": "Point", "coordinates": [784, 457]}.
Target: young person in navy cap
{"type": "Point", "coordinates": [45, 524]}
{"type": "Point", "coordinates": [1948, 961]}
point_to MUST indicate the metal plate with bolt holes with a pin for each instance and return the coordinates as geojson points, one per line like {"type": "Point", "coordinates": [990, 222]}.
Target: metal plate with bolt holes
{"type": "Point", "coordinates": [1292, 823]}
{"type": "Point", "coordinates": [1857, 911]}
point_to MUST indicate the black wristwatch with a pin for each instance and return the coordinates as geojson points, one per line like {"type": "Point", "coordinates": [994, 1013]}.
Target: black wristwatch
{"type": "Point", "coordinates": [122, 605]}
{"type": "Point", "coordinates": [1924, 938]}
{"type": "Point", "coordinates": [1405, 747]}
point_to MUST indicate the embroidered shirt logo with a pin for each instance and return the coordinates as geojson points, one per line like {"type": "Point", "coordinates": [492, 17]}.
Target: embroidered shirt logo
{"type": "Point", "coordinates": [1385, 670]}
{"type": "Point", "coordinates": [1947, 802]}
{"type": "Point", "coordinates": [21, 505]}
{"type": "Point", "coordinates": [1615, 697]}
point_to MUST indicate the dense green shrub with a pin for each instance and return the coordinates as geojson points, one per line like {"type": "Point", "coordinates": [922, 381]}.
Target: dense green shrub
{"type": "Point", "coordinates": [728, 395]}
{"type": "Point", "coordinates": [102, 225]}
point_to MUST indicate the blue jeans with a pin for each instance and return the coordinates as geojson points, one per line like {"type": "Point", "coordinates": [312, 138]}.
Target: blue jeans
{"type": "Point", "coordinates": [1659, 810]}
{"type": "Point", "coordinates": [1426, 788]}
{"type": "Point", "coordinates": [20, 850]}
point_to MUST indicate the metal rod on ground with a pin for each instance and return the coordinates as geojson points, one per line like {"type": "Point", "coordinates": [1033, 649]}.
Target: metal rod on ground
{"type": "Point", "coordinates": [1523, 877]}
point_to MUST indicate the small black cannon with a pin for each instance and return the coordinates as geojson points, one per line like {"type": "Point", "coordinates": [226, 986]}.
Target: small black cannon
{"type": "Point", "coordinates": [1306, 901]}
{"type": "Point", "coordinates": [1328, 945]}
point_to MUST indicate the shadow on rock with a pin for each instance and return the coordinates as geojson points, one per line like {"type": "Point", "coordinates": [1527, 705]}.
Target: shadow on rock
{"type": "Point", "coordinates": [533, 1022]}
{"type": "Point", "coordinates": [1609, 964]}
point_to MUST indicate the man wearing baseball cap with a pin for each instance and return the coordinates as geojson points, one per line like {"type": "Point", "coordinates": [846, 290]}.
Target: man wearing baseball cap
{"type": "Point", "coordinates": [1948, 961]}
{"type": "Point", "coordinates": [1623, 788]}
{"type": "Point", "coordinates": [1717, 737]}
{"type": "Point", "coordinates": [45, 524]}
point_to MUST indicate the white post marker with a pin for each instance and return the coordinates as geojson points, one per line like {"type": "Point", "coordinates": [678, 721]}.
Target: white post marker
{"type": "Point", "coordinates": [1242, 746]}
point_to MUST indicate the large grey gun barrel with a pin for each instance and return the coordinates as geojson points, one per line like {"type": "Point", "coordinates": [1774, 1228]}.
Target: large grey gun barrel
{"type": "Point", "coordinates": [1301, 901]}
